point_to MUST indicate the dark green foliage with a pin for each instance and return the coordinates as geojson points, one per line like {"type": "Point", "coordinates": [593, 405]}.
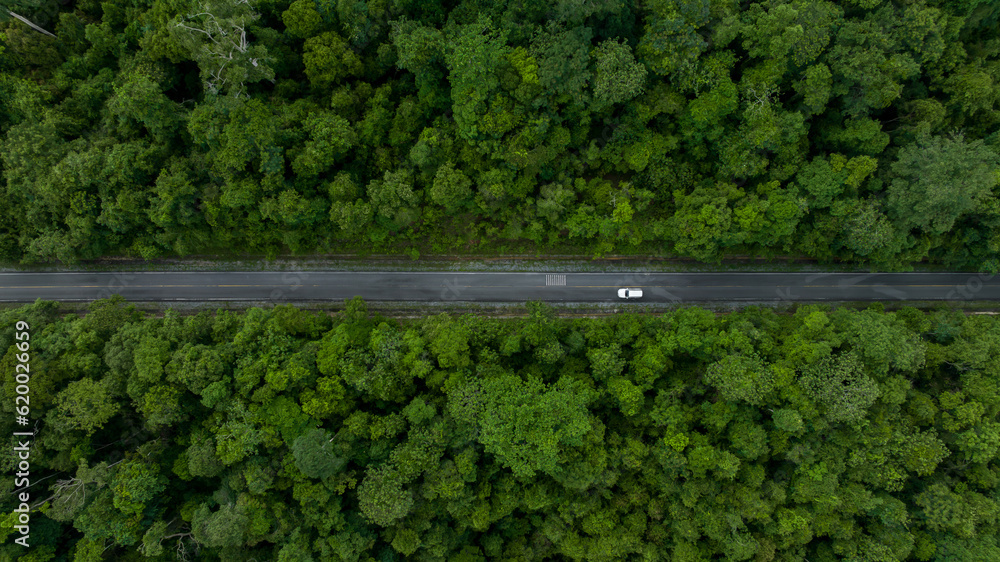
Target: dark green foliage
{"type": "Point", "coordinates": [741, 377]}
{"type": "Point", "coordinates": [617, 76]}
{"type": "Point", "coordinates": [841, 386]}
{"type": "Point", "coordinates": [851, 130]}
{"type": "Point", "coordinates": [315, 454]}
{"type": "Point", "coordinates": [282, 434]}
{"type": "Point", "coordinates": [527, 426]}
{"type": "Point", "coordinates": [940, 180]}
{"type": "Point", "coordinates": [382, 498]}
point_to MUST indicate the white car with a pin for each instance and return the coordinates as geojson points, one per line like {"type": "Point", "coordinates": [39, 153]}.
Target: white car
{"type": "Point", "coordinates": [630, 293]}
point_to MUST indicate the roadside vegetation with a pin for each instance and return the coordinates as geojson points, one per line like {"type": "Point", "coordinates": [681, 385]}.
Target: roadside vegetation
{"type": "Point", "coordinates": [278, 434]}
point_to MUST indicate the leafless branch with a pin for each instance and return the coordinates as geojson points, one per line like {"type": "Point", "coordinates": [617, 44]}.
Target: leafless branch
{"type": "Point", "coordinates": [29, 23]}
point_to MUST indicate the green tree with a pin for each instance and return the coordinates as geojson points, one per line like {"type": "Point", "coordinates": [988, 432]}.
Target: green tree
{"type": "Point", "coordinates": [329, 60]}
{"type": "Point", "coordinates": [840, 384]}
{"type": "Point", "coordinates": [136, 483]}
{"type": "Point", "coordinates": [815, 87]}
{"type": "Point", "coordinates": [709, 108]}
{"type": "Point", "coordinates": [671, 44]}
{"type": "Point", "coordinates": [343, 188]}
{"type": "Point", "coordinates": [870, 234]}
{"type": "Point", "coordinates": [629, 396]}
{"type": "Point", "coordinates": [330, 139]}
{"type": "Point", "coordinates": [241, 138]}
{"type": "Point", "coordinates": [701, 224]}
{"type": "Point", "coordinates": [301, 19]}
{"type": "Point", "coordinates": [939, 180]}
{"type": "Point", "coordinates": [743, 377]}
{"type": "Point", "coordinates": [316, 455]}
{"type": "Point", "coordinates": [161, 406]}
{"type": "Point", "coordinates": [451, 188]}
{"type": "Point", "coordinates": [406, 542]}
{"type": "Point", "coordinates": [858, 135]}
{"type": "Point", "coordinates": [382, 498]}
{"type": "Point", "coordinates": [867, 73]}
{"type": "Point", "coordinates": [563, 57]}
{"type": "Point", "coordinates": [141, 100]}
{"type": "Point", "coordinates": [526, 424]}
{"type": "Point", "coordinates": [825, 179]}
{"type": "Point", "coordinates": [881, 340]}
{"type": "Point", "coordinates": [923, 452]}
{"type": "Point", "coordinates": [448, 341]}
{"type": "Point", "coordinates": [225, 527]}
{"type": "Point", "coordinates": [975, 90]}
{"type": "Point", "coordinates": [174, 209]}
{"type": "Point", "coordinates": [788, 420]}
{"type": "Point", "coordinates": [393, 198]}
{"type": "Point", "coordinates": [617, 76]}
{"type": "Point", "coordinates": [217, 38]}
{"type": "Point", "coordinates": [202, 460]}
{"type": "Point", "coordinates": [352, 218]}
{"type": "Point", "coordinates": [195, 366]}
{"type": "Point", "coordinates": [473, 52]}
{"type": "Point", "coordinates": [84, 405]}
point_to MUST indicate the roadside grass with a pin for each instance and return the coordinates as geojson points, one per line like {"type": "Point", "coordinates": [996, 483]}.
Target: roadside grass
{"type": "Point", "coordinates": [469, 261]}
{"type": "Point", "coordinates": [419, 309]}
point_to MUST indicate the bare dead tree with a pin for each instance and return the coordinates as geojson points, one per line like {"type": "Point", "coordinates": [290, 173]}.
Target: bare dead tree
{"type": "Point", "coordinates": [29, 23]}
{"type": "Point", "coordinates": [217, 37]}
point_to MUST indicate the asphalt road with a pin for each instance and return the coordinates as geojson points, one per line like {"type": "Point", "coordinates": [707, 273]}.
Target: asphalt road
{"type": "Point", "coordinates": [496, 287]}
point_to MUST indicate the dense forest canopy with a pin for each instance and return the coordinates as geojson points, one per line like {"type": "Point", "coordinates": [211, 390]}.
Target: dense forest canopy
{"type": "Point", "coordinates": [278, 434]}
{"type": "Point", "coordinates": [859, 130]}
